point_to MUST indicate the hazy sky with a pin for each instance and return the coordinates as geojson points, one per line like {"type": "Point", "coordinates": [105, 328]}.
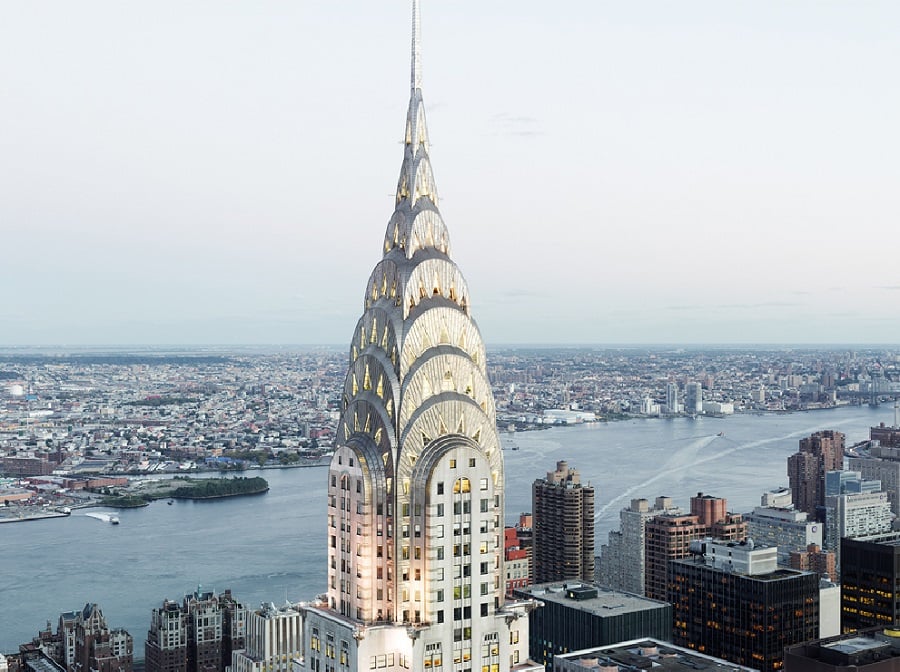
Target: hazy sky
{"type": "Point", "coordinates": [610, 172]}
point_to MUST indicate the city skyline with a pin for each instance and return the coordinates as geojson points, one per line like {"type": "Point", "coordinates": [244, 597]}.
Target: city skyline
{"type": "Point", "coordinates": [707, 174]}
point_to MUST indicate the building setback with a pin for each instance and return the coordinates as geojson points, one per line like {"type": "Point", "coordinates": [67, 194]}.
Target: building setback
{"type": "Point", "coordinates": [575, 616]}
{"type": "Point", "coordinates": [83, 642]}
{"type": "Point", "coordinates": [274, 640]}
{"type": "Point", "coordinates": [735, 603]}
{"type": "Point", "coordinates": [563, 512]}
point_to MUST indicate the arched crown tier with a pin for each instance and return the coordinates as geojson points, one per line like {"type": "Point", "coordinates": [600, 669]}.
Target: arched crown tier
{"type": "Point", "coordinates": [441, 325]}
{"type": "Point", "coordinates": [435, 277]}
{"type": "Point", "coordinates": [444, 372]}
{"type": "Point", "coordinates": [376, 329]}
{"type": "Point", "coordinates": [415, 230]}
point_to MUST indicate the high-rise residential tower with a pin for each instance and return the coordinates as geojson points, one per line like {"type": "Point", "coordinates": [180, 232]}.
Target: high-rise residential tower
{"type": "Point", "coordinates": [818, 454]}
{"type": "Point", "coordinates": [415, 488]}
{"type": "Point", "coordinates": [563, 510]}
{"type": "Point", "coordinates": [622, 560]}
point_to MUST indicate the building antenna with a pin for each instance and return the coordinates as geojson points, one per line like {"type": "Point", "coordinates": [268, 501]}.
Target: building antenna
{"type": "Point", "coordinates": [416, 74]}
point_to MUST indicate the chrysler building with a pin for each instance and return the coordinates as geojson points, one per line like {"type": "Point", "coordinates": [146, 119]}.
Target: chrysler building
{"type": "Point", "coordinates": [415, 488]}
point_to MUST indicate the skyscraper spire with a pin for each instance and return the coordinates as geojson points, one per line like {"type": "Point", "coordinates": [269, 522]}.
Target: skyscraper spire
{"type": "Point", "coordinates": [415, 487]}
{"type": "Point", "coordinates": [416, 82]}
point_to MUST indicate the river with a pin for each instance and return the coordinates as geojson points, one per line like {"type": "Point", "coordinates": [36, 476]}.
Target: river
{"type": "Point", "coordinates": [271, 547]}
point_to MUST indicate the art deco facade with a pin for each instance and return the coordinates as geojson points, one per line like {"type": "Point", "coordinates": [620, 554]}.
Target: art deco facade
{"type": "Point", "coordinates": [415, 488]}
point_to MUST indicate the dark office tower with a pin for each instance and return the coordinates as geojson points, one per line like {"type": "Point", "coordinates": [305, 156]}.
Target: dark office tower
{"type": "Point", "coordinates": [870, 582]}
{"type": "Point", "coordinates": [732, 601]}
{"type": "Point", "coordinates": [820, 453]}
{"type": "Point", "coordinates": [563, 511]}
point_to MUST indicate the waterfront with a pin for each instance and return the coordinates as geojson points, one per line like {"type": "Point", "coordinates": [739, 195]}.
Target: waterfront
{"type": "Point", "coordinates": [272, 547]}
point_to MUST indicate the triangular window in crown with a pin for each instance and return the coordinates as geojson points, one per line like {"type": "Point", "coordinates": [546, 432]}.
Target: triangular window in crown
{"type": "Point", "coordinates": [442, 426]}
{"type": "Point", "coordinates": [367, 380]}
{"type": "Point", "coordinates": [425, 439]}
{"type": "Point", "coordinates": [477, 435]}
{"type": "Point", "coordinates": [378, 434]}
{"type": "Point", "coordinates": [354, 385]}
{"type": "Point", "coordinates": [444, 338]}
{"type": "Point", "coordinates": [379, 390]}
{"type": "Point", "coordinates": [368, 427]}
{"type": "Point", "coordinates": [461, 427]}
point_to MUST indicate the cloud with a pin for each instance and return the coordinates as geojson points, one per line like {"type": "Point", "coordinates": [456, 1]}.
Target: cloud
{"type": "Point", "coordinates": [890, 288]}
{"type": "Point", "coordinates": [755, 306]}
{"type": "Point", "coordinates": [516, 125]}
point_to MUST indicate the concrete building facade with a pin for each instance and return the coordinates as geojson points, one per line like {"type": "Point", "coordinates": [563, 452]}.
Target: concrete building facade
{"type": "Point", "coordinates": [622, 559]}
{"type": "Point", "coordinates": [563, 510]}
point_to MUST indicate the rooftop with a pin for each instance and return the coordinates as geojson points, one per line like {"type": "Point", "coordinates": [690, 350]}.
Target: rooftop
{"type": "Point", "coordinates": [591, 598]}
{"type": "Point", "coordinates": [643, 654]}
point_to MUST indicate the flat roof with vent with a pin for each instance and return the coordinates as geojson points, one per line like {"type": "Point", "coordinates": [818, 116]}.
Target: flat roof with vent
{"type": "Point", "coordinates": [590, 597]}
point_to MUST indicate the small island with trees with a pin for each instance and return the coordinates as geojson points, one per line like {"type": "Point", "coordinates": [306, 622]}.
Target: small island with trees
{"type": "Point", "coordinates": [141, 493]}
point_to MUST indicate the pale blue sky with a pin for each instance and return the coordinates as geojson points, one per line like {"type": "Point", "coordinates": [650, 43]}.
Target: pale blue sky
{"type": "Point", "coordinates": [221, 172]}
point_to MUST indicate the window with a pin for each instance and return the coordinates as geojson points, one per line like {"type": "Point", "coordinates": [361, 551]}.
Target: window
{"type": "Point", "coordinates": [440, 488]}
{"type": "Point", "coordinates": [453, 464]}
{"type": "Point", "coordinates": [440, 509]}
{"type": "Point", "coordinates": [439, 531]}
{"type": "Point", "coordinates": [484, 484]}
{"type": "Point", "coordinates": [484, 505]}
{"type": "Point", "coordinates": [471, 461]}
